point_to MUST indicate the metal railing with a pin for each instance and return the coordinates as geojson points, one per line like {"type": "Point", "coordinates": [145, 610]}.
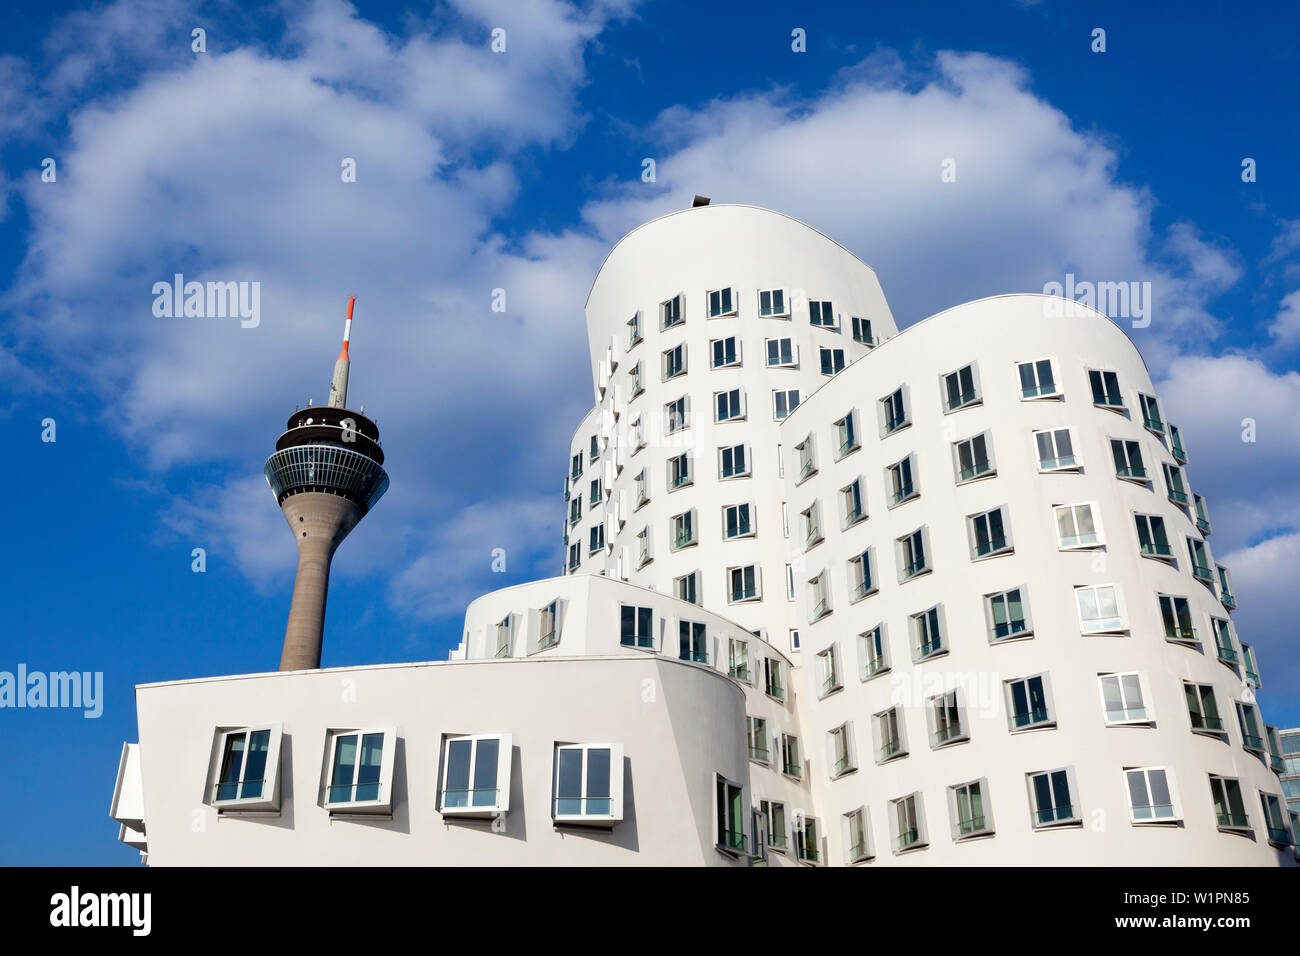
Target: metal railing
{"type": "Point", "coordinates": [237, 790]}
{"type": "Point", "coordinates": [1030, 718]}
{"type": "Point", "coordinates": [969, 826]}
{"type": "Point", "coordinates": [479, 797]}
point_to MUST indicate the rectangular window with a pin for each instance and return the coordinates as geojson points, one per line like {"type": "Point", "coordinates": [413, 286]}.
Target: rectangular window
{"type": "Point", "coordinates": [1177, 617]}
{"type": "Point", "coordinates": [576, 471]}
{"type": "Point", "coordinates": [1029, 703]}
{"type": "Point", "coordinates": [927, 634]}
{"type": "Point", "coordinates": [821, 314]}
{"type": "Point", "coordinates": [475, 774]}
{"type": "Point", "coordinates": [575, 555]}
{"type": "Point", "coordinates": [894, 412]}
{"type": "Point", "coordinates": [743, 583]}
{"type": "Point", "coordinates": [875, 657]}
{"type": "Point", "coordinates": [642, 493]}
{"type": "Point", "coordinates": [738, 659]}
{"type": "Point", "coordinates": [846, 434]}
{"type": "Point", "coordinates": [575, 510]}
{"type": "Point", "coordinates": [670, 312]}
{"type": "Point", "coordinates": [726, 353]}
{"type": "Point", "coordinates": [1007, 613]}
{"type": "Point", "coordinates": [729, 405]}
{"type": "Point", "coordinates": [812, 525]}
{"type": "Point", "coordinates": [721, 302]}
{"type": "Point", "coordinates": [961, 389]}
{"type": "Point", "coordinates": [1176, 445]}
{"type": "Point", "coordinates": [597, 538]}
{"type": "Point", "coordinates": [636, 626]}
{"type": "Point", "coordinates": [361, 770]}
{"type": "Point", "coordinates": [1249, 666]}
{"type": "Point", "coordinates": [733, 462]}
{"type": "Point", "coordinates": [644, 554]}
{"type": "Point", "coordinates": [899, 481]}
{"type": "Point", "coordinates": [1175, 487]}
{"type": "Point", "coordinates": [633, 331]}
{"type": "Point", "coordinates": [1223, 642]}
{"type": "Point", "coordinates": [908, 825]}
{"type": "Point", "coordinates": [789, 582]}
{"type": "Point", "coordinates": [504, 635]}
{"type": "Point", "coordinates": [679, 471]}
{"type": "Point", "coordinates": [736, 522]}
{"type": "Point", "coordinates": [1153, 542]}
{"type": "Point", "coordinates": [595, 448]}
{"type": "Point", "coordinates": [805, 455]}
{"type": "Point", "coordinates": [683, 529]}
{"type": "Point", "coordinates": [1203, 709]}
{"type": "Point", "coordinates": [1122, 699]}
{"type": "Point", "coordinates": [791, 765]}
{"type": "Point", "coordinates": [730, 816]}
{"type": "Point", "coordinates": [828, 670]}
{"type": "Point", "coordinates": [1279, 833]}
{"type": "Point", "coordinates": [1105, 389]}
{"type": "Point", "coordinates": [784, 401]}
{"type": "Point", "coordinates": [862, 332]}
{"type": "Point", "coordinates": [1075, 527]}
{"type": "Point", "coordinates": [781, 353]}
{"type": "Point", "coordinates": [548, 626]}
{"type": "Point", "coordinates": [773, 678]}
{"type": "Point", "coordinates": [967, 803]}
{"type": "Point", "coordinates": [832, 361]}
{"type": "Point", "coordinates": [1055, 450]}
{"type": "Point", "coordinates": [890, 742]}
{"type": "Point", "coordinates": [687, 587]}
{"type": "Point", "coordinates": [588, 784]}
{"type": "Point", "coordinates": [989, 534]}
{"type": "Point", "coordinates": [947, 724]}
{"type": "Point", "coordinates": [806, 842]}
{"type": "Point", "coordinates": [692, 645]}
{"type": "Point", "coordinates": [1099, 609]}
{"type": "Point", "coordinates": [674, 362]}
{"type": "Point", "coordinates": [774, 814]}
{"type": "Point", "coordinates": [841, 750]}
{"type": "Point", "coordinates": [597, 494]}
{"type": "Point", "coordinates": [1151, 414]}
{"type": "Point", "coordinates": [676, 416]}
{"type": "Point", "coordinates": [638, 379]}
{"type": "Point", "coordinates": [1149, 795]}
{"type": "Point", "coordinates": [1229, 810]}
{"type": "Point", "coordinates": [1200, 562]}
{"type": "Point", "coordinates": [771, 302]}
{"type": "Point", "coordinates": [756, 735]}
{"type": "Point", "coordinates": [1247, 718]}
{"type": "Point", "coordinates": [862, 581]}
{"type": "Point", "coordinates": [246, 778]}
{"type": "Point", "coordinates": [1202, 514]}
{"type": "Point", "coordinates": [1052, 797]}
{"type": "Point", "coordinates": [913, 555]}
{"type": "Point", "coordinates": [1128, 460]}
{"type": "Point", "coordinates": [857, 835]}
{"type": "Point", "coordinates": [972, 458]}
{"type": "Point", "coordinates": [1037, 380]}
{"type": "Point", "coordinates": [852, 508]}
{"type": "Point", "coordinates": [1225, 588]}
{"type": "Point", "coordinates": [819, 598]}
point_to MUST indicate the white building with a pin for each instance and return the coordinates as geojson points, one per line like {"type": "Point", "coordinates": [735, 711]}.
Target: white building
{"type": "Point", "coordinates": [833, 594]}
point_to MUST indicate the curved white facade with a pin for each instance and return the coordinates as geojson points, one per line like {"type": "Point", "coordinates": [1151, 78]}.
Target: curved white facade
{"type": "Point", "coordinates": [1040, 553]}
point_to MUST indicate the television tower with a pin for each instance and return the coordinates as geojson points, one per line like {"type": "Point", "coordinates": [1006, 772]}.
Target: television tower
{"type": "Point", "coordinates": [327, 473]}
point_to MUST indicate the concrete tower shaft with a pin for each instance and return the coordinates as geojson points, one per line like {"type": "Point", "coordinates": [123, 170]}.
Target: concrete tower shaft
{"type": "Point", "coordinates": [327, 473]}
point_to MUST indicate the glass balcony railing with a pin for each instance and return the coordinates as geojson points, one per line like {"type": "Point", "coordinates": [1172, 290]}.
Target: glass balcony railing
{"type": "Point", "coordinates": [1276, 763]}
{"type": "Point", "coordinates": [1177, 497]}
{"type": "Point", "coordinates": [858, 851]}
{"type": "Point", "coordinates": [1228, 598]}
{"type": "Point", "coordinates": [959, 401]}
{"type": "Point", "coordinates": [547, 640]}
{"type": "Point", "coordinates": [915, 568]}
{"type": "Point", "coordinates": [1156, 811]}
{"type": "Point", "coordinates": [968, 826]}
{"type": "Point", "coordinates": [1234, 821]}
{"type": "Point", "coordinates": [1202, 573]}
{"type": "Point", "coordinates": [1202, 722]}
{"type": "Point", "coordinates": [926, 648]}
{"type": "Point", "coordinates": [1252, 741]}
{"type": "Point", "coordinates": [862, 589]}
{"type": "Point", "coordinates": [806, 469]}
{"type": "Point", "coordinates": [890, 748]}
{"type": "Point", "coordinates": [907, 838]}
{"type": "Point", "coordinates": [1009, 629]}
{"type": "Point", "coordinates": [1176, 449]}
{"type": "Point", "coordinates": [1131, 471]}
{"type": "Point", "coordinates": [1154, 423]}
{"type": "Point", "coordinates": [761, 754]}
{"type": "Point", "coordinates": [807, 851]}
{"type": "Point", "coordinates": [945, 734]}
{"type": "Point", "coordinates": [683, 539]}
{"type": "Point", "coordinates": [1157, 550]}
{"type": "Point", "coordinates": [1048, 464]}
{"type": "Point", "coordinates": [792, 770]}
{"type": "Point", "coordinates": [1186, 635]}
{"type": "Point", "coordinates": [1118, 715]}
{"type": "Point", "coordinates": [237, 790]}
{"type": "Point", "coordinates": [847, 446]}
{"type": "Point", "coordinates": [1279, 836]}
{"type": "Point", "coordinates": [873, 667]}
{"type": "Point", "coordinates": [985, 548]}
{"type": "Point", "coordinates": [1078, 540]}
{"type": "Point", "coordinates": [975, 470]}
{"type": "Point", "coordinates": [893, 424]}
{"type": "Point", "coordinates": [468, 799]}
{"type": "Point", "coordinates": [1055, 815]}
{"type": "Point", "coordinates": [733, 840]}
{"type": "Point", "coordinates": [1030, 718]}
{"type": "Point", "coordinates": [739, 672]}
{"type": "Point", "coordinates": [1202, 526]}
{"type": "Point", "coordinates": [903, 493]}
{"type": "Point", "coordinates": [1038, 391]}
{"type": "Point", "coordinates": [1226, 653]}
{"type": "Point", "coordinates": [698, 657]}
{"type": "Point", "coordinates": [841, 765]}
{"type": "Point", "coordinates": [829, 684]}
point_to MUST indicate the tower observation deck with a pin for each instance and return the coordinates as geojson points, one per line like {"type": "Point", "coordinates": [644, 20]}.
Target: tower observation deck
{"type": "Point", "coordinates": [327, 473]}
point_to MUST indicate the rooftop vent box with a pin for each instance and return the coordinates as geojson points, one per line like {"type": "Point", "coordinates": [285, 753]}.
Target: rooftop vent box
{"type": "Point", "coordinates": [699, 201]}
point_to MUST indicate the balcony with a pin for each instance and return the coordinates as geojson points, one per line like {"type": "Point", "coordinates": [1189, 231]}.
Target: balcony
{"type": "Point", "coordinates": [907, 839]}
{"type": "Point", "coordinates": [1202, 525]}
{"type": "Point", "coordinates": [1232, 821]}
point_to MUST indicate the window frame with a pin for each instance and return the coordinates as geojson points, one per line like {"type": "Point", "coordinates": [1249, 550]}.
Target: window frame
{"type": "Point", "coordinates": [505, 752]}
{"type": "Point", "coordinates": [1056, 394]}
{"type": "Point", "coordinates": [383, 801]}
{"type": "Point", "coordinates": [615, 786]}
{"type": "Point", "coordinates": [268, 796]}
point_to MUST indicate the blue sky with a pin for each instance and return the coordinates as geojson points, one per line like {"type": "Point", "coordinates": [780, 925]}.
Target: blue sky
{"type": "Point", "coordinates": [479, 171]}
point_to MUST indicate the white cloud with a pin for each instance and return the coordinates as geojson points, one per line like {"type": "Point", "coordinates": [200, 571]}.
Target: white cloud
{"type": "Point", "coordinates": [1264, 579]}
{"type": "Point", "coordinates": [1285, 328]}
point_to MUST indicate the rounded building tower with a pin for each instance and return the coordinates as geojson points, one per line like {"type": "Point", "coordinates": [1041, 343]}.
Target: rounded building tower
{"type": "Point", "coordinates": [327, 473]}
{"type": "Point", "coordinates": [707, 327]}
